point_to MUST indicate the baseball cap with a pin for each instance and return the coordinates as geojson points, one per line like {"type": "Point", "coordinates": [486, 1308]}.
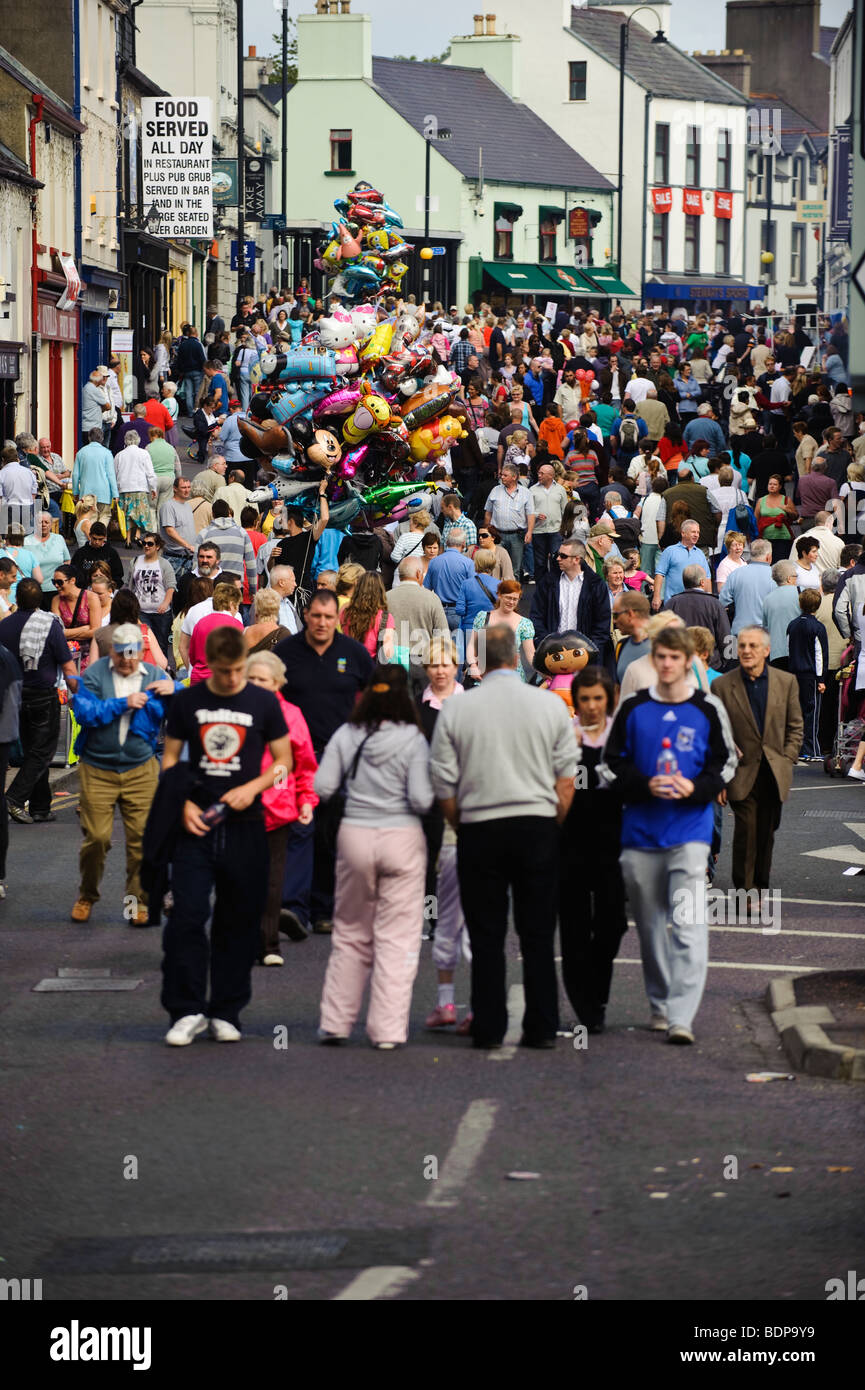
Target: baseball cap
{"type": "Point", "coordinates": [127, 640]}
{"type": "Point", "coordinates": [704, 409]}
{"type": "Point", "coordinates": [604, 531]}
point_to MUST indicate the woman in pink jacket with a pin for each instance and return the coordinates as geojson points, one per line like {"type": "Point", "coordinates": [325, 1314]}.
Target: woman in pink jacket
{"type": "Point", "coordinates": [290, 799]}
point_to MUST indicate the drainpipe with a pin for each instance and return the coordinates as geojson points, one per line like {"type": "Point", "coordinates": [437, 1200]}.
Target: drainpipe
{"type": "Point", "coordinates": [648, 102]}
{"type": "Point", "coordinates": [76, 87]}
{"type": "Point", "coordinates": [38, 103]}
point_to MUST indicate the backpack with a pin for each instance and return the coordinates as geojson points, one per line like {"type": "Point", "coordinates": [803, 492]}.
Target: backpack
{"type": "Point", "coordinates": [629, 434]}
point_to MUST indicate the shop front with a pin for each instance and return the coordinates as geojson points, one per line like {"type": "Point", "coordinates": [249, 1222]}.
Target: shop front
{"type": "Point", "coordinates": [10, 376]}
{"type": "Point", "coordinates": [506, 285]}
{"type": "Point", "coordinates": [146, 264]}
{"type": "Point", "coordinates": [700, 294]}
{"type": "Point", "coordinates": [57, 380]}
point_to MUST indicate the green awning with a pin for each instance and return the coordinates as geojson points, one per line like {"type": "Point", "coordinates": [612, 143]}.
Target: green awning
{"type": "Point", "coordinates": [520, 279]}
{"type": "Point", "coordinates": [609, 283]}
{"type": "Point", "coordinates": [566, 280]}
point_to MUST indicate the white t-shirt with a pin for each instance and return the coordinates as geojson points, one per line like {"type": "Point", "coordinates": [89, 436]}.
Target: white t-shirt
{"type": "Point", "coordinates": [197, 611]}
{"type": "Point", "coordinates": [123, 686]}
{"type": "Point", "coordinates": [781, 393]}
{"type": "Point", "coordinates": [807, 579]}
{"type": "Point", "coordinates": [638, 388]}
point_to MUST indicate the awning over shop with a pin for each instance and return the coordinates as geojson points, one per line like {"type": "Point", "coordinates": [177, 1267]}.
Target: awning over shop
{"type": "Point", "coordinates": [521, 279]}
{"type": "Point", "coordinates": [698, 287]}
{"type": "Point", "coordinates": [565, 280]}
{"type": "Point", "coordinates": [609, 283]}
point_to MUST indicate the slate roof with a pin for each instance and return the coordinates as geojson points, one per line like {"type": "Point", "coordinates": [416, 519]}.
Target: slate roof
{"type": "Point", "coordinates": [793, 124]}
{"type": "Point", "coordinates": [827, 38]}
{"type": "Point", "coordinates": [662, 69]}
{"type": "Point", "coordinates": [518, 147]}
{"type": "Point", "coordinates": [14, 170]}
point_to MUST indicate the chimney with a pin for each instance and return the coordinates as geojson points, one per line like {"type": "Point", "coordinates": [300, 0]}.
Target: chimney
{"type": "Point", "coordinates": [252, 52]}
{"type": "Point", "coordinates": [734, 67]}
{"type": "Point", "coordinates": [491, 24]}
{"type": "Point", "coordinates": [479, 24]}
{"type": "Point", "coordinates": [345, 7]}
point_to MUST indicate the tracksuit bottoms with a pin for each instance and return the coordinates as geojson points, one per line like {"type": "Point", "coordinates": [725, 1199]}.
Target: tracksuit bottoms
{"type": "Point", "coordinates": [667, 894]}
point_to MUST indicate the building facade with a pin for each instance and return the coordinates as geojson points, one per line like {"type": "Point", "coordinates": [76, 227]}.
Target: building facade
{"type": "Point", "coordinates": [839, 169]}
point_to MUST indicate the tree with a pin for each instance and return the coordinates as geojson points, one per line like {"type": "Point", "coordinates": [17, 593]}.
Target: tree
{"type": "Point", "coordinates": [406, 58]}
{"type": "Point", "coordinates": [291, 69]}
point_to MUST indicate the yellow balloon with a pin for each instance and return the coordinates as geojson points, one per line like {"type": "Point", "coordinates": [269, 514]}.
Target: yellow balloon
{"type": "Point", "coordinates": [426, 253]}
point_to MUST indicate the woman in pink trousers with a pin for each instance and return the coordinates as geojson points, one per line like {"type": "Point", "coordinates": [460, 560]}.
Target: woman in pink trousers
{"type": "Point", "coordinates": [379, 761]}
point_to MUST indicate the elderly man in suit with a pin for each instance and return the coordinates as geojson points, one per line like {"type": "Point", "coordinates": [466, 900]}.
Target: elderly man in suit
{"type": "Point", "coordinates": [763, 705]}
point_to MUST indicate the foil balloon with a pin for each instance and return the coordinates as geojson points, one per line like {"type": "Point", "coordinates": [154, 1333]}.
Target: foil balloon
{"type": "Point", "coordinates": [436, 438]}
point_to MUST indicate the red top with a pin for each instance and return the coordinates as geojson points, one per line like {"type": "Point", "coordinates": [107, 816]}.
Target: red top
{"type": "Point", "coordinates": [156, 414]}
{"type": "Point", "coordinates": [199, 669]}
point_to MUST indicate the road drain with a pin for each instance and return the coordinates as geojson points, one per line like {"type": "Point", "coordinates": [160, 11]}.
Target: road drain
{"type": "Point", "coordinates": [241, 1250]}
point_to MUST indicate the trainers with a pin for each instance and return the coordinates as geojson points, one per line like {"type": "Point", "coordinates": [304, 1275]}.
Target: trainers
{"type": "Point", "coordinates": [385, 1046]}
{"type": "Point", "coordinates": [331, 1039]}
{"type": "Point", "coordinates": [43, 820]}
{"type": "Point", "coordinates": [182, 1032]}
{"type": "Point", "coordinates": [81, 911]}
{"type": "Point", "coordinates": [857, 774]}
{"type": "Point", "coordinates": [19, 813]}
{"type": "Point", "coordinates": [464, 1029]}
{"type": "Point", "coordinates": [678, 1034]}
{"type": "Point", "coordinates": [223, 1031]}
{"type": "Point", "coordinates": [442, 1016]}
{"type": "Point", "coordinates": [658, 1023]}
{"type": "Point", "coordinates": [2, 890]}
{"type": "Point", "coordinates": [291, 926]}
{"type": "Point", "coordinates": [272, 959]}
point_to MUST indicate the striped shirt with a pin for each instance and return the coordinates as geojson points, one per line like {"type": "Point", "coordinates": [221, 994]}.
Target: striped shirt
{"type": "Point", "coordinates": [510, 511]}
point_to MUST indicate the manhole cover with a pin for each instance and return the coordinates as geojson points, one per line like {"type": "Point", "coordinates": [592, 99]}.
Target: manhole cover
{"type": "Point", "coordinates": [240, 1250]}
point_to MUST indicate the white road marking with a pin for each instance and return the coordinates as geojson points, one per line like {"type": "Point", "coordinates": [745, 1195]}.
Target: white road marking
{"type": "Point", "coordinates": [474, 1130]}
{"type": "Point", "coordinates": [516, 1009]}
{"type": "Point", "coordinates": [741, 965]}
{"type": "Point", "coordinates": [381, 1281]}
{"type": "Point", "coordinates": [758, 931]}
{"type": "Point", "coordinates": [824, 902]}
{"type": "Point", "coordinates": [840, 785]}
{"type": "Point", "coordinates": [847, 854]}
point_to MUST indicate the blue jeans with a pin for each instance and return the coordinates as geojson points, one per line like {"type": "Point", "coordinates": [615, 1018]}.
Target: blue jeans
{"type": "Point", "coordinates": [514, 543]}
{"type": "Point", "coordinates": [545, 547]}
{"type": "Point", "coordinates": [191, 382]}
{"type": "Point", "coordinates": [245, 388]}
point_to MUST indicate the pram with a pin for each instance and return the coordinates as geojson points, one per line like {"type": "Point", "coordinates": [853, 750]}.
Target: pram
{"type": "Point", "coordinates": [851, 730]}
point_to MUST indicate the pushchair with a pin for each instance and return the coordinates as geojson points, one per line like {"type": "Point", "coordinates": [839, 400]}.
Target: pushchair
{"type": "Point", "coordinates": [851, 728]}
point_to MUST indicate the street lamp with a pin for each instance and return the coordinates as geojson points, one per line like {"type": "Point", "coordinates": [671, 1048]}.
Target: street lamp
{"type": "Point", "coordinates": [432, 131]}
{"type": "Point", "coordinates": [659, 37]}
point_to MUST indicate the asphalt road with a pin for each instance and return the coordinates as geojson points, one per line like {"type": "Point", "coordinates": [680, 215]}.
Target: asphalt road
{"type": "Point", "coordinates": [628, 1139]}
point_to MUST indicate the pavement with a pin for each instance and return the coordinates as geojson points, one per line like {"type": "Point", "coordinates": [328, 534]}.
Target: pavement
{"type": "Point", "coordinates": [279, 1168]}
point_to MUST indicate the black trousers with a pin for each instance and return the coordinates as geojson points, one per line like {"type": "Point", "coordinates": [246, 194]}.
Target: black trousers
{"type": "Point", "coordinates": [326, 827]}
{"type": "Point", "coordinates": [592, 921]}
{"type": "Point", "coordinates": [520, 853]}
{"type": "Point", "coordinates": [757, 817]}
{"type": "Point", "coordinates": [233, 859]}
{"type": "Point", "coordinates": [39, 727]}
{"type": "Point", "coordinates": [4, 818]}
{"type": "Point", "coordinates": [829, 712]}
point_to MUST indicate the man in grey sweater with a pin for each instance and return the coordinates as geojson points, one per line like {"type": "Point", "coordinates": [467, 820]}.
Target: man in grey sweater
{"type": "Point", "coordinates": [502, 764]}
{"type": "Point", "coordinates": [418, 617]}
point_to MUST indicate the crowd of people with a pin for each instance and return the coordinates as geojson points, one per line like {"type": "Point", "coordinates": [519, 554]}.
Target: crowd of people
{"type": "Point", "coordinates": [640, 564]}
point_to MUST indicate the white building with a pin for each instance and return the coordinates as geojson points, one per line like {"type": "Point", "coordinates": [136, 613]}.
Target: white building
{"type": "Point", "coordinates": [683, 175]}
{"type": "Point", "coordinates": [836, 279]}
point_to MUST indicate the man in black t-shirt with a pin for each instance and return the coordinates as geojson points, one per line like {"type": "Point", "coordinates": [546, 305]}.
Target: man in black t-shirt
{"type": "Point", "coordinates": [297, 548]}
{"type": "Point", "coordinates": [325, 672]}
{"type": "Point", "coordinates": [228, 724]}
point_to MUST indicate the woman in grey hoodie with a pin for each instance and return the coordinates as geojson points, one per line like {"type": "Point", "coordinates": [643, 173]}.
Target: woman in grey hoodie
{"type": "Point", "coordinates": [379, 761]}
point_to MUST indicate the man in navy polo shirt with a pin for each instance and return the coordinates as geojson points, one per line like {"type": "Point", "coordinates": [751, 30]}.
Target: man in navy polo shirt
{"type": "Point", "coordinates": [325, 671]}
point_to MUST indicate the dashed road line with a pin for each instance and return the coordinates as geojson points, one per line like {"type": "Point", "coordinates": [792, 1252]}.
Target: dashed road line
{"type": "Point", "coordinates": [473, 1131]}
{"type": "Point", "coordinates": [516, 1009]}
{"type": "Point", "coordinates": [380, 1281]}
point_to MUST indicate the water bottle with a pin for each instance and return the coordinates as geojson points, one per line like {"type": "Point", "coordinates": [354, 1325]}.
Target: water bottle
{"type": "Point", "coordinates": [667, 764]}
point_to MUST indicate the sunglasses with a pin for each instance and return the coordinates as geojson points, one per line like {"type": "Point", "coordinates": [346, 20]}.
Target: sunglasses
{"type": "Point", "coordinates": [483, 535]}
{"type": "Point", "coordinates": [58, 583]}
{"type": "Point", "coordinates": [148, 545]}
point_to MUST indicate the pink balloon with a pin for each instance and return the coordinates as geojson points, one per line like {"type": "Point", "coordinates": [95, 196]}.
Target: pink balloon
{"type": "Point", "coordinates": [580, 373]}
{"type": "Point", "coordinates": [589, 376]}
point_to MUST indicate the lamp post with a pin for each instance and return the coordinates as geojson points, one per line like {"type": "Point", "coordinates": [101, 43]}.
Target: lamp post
{"type": "Point", "coordinates": [432, 131]}
{"type": "Point", "coordinates": [624, 33]}
{"type": "Point", "coordinates": [241, 167]}
{"type": "Point", "coordinates": [283, 267]}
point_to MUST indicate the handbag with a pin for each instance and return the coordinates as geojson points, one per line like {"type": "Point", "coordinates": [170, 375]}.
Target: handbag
{"type": "Point", "coordinates": [337, 802]}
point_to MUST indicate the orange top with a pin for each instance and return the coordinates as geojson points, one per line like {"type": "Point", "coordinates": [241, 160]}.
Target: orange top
{"type": "Point", "coordinates": [552, 429]}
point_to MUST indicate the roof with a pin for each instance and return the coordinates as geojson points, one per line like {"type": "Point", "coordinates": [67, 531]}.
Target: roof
{"type": "Point", "coordinates": [662, 69]}
{"type": "Point", "coordinates": [518, 147]}
{"type": "Point", "coordinates": [794, 126]}
{"type": "Point", "coordinates": [14, 170]}
{"type": "Point", "coordinates": [827, 38]}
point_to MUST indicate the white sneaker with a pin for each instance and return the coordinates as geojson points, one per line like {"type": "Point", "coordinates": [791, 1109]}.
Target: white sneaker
{"type": "Point", "coordinates": [658, 1023]}
{"type": "Point", "coordinates": [678, 1034]}
{"type": "Point", "coordinates": [856, 774]}
{"type": "Point", "coordinates": [2, 890]}
{"type": "Point", "coordinates": [181, 1033]}
{"type": "Point", "coordinates": [273, 959]}
{"type": "Point", "coordinates": [385, 1046]}
{"type": "Point", "coordinates": [223, 1031]}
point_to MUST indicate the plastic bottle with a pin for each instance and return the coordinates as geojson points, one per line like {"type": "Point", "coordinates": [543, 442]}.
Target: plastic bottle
{"type": "Point", "coordinates": [667, 763]}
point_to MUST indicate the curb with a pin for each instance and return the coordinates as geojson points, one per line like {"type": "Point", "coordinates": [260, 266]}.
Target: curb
{"type": "Point", "coordinates": [800, 1028]}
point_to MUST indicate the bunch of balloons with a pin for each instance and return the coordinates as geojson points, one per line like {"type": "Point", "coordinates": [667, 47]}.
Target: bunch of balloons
{"type": "Point", "coordinates": [358, 400]}
{"type": "Point", "coordinates": [585, 376]}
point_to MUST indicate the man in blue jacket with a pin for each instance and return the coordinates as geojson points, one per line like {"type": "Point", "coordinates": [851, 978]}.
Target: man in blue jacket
{"type": "Point", "coordinates": [93, 475]}
{"type": "Point", "coordinates": [119, 706]}
{"type": "Point", "coordinates": [574, 599]}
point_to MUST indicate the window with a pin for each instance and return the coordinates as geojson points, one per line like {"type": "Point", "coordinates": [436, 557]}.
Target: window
{"type": "Point", "coordinates": [576, 81]}
{"type": "Point", "coordinates": [340, 149]}
{"type": "Point", "coordinates": [504, 239]}
{"type": "Point", "coordinates": [692, 157]}
{"type": "Point", "coordinates": [798, 189]}
{"type": "Point", "coordinates": [759, 179]}
{"type": "Point", "coordinates": [662, 154]}
{"type": "Point", "coordinates": [722, 246]}
{"type": "Point", "coordinates": [767, 243]}
{"type": "Point", "coordinates": [547, 241]}
{"type": "Point", "coordinates": [660, 222]}
{"type": "Point", "coordinates": [797, 254]}
{"type": "Point", "coordinates": [725, 159]}
{"type": "Point", "coordinates": [692, 244]}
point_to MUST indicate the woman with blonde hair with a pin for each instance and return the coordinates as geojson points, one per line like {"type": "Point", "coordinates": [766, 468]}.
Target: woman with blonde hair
{"type": "Point", "coordinates": [169, 394]}
{"type": "Point", "coordinates": [366, 619]}
{"type": "Point", "coordinates": [263, 634]}
{"type": "Point", "coordinates": [347, 577]}
{"type": "Point", "coordinates": [411, 541]}
{"type": "Point", "coordinates": [86, 512]}
{"type": "Point", "coordinates": [641, 674]}
{"type": "Point", "coordinates": [226, 602]}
